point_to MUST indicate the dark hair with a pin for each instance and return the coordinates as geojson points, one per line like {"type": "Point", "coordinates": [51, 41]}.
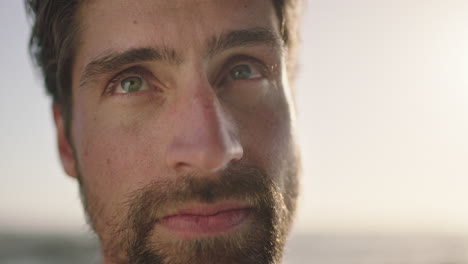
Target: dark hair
{"type": "Point", "coordinates": [52, 44]}
{"type": "Point", "coordinates": [54, 38]}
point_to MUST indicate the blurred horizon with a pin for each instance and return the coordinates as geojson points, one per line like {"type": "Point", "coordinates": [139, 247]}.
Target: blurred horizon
{"type": "Point", "coordinates": [300, 249]}
{"type": "Point", "coordinates": [382, 95]}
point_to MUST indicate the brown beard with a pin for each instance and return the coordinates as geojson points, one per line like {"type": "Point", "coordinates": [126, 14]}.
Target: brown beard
{"type": "Point", "coordinates": [260, 242]}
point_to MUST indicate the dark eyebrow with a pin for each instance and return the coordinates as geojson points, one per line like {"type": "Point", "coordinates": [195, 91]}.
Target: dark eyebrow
{"type": "Point", "coordinates": [113, 61]}
{"type": "Point", "coordinates": [236, 38]}
{"type": "Point", "coordinates": [245, 37]}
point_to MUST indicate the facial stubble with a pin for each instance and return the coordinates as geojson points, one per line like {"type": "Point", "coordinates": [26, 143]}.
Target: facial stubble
{"type": "Point", "coordinates": [135, 240]}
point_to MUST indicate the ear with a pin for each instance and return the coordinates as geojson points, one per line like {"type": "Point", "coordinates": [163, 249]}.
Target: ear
{"type": "Point", "coordinates": [64, 146]}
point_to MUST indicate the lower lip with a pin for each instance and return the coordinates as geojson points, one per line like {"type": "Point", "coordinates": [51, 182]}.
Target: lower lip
{"type": "Point", "coordinates": [189, 225]}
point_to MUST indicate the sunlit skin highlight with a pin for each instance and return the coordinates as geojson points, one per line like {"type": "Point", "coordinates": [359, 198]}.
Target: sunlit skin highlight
{"type": "Point", "coordinates": [190, 145]}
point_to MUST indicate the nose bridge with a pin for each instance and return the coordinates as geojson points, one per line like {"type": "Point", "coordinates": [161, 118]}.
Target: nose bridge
{"type": "Point", "coordinates": [204, 138]}
{"type": "Point", "coordinates": [207, 121]}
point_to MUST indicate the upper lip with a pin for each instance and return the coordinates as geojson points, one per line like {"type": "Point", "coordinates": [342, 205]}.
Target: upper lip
{"type": "Point", "coordinates": [208, 209]}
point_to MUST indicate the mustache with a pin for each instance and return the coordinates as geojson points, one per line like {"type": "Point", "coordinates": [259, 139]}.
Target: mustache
{"type": "Point", "coordinates": [249, 184]}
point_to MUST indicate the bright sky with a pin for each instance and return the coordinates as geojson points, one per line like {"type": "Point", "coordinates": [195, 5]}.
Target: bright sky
{"type": "Point", "coordinates": [383, 122]}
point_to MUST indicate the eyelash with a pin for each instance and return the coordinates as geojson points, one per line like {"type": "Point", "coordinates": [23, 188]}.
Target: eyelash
{"type": "Point", "coordinates": [220, 80]}
{"type": "Point", "coordinates": [133, 71]}
{"type": "Point", "coordinates": [238, 60]}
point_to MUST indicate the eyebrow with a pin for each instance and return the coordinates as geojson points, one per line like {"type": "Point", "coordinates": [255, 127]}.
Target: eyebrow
{"type": "Point", "coordinates": [113, 61]}
{"type": "Point", "coordinates": [246, 37]}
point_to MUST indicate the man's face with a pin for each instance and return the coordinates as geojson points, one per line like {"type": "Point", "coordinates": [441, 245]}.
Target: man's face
{"type": "Point", "coordinates": [182, 134]}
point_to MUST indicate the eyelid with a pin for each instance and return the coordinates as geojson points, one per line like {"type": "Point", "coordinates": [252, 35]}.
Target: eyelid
{"type": "Point", "coordinates": [242, 59]}
{"type": "Point", "coordinates": [132, 71]}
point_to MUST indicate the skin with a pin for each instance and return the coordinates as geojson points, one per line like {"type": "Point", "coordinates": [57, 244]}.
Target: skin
{"type": "Point", "coordinates": [192, 119]}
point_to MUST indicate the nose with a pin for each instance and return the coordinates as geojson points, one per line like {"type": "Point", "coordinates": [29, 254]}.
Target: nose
{"type": "Point", "coordinates": [204, 139]}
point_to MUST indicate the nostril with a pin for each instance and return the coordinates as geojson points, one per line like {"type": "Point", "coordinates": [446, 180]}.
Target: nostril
{"type": "Point", "coordinates": [203, 155]}
{"type": "Point", "coordinates": [215, 156]}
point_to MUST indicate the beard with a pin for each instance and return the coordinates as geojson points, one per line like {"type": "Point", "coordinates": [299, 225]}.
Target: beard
{"type": "Point", "coordinates": [135, 240]}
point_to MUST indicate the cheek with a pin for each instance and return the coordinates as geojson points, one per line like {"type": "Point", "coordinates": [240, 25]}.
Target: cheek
{"type": "Point", "coordinates": [267, 137]}
{"type": "Point", "coordinates": [115, 155]}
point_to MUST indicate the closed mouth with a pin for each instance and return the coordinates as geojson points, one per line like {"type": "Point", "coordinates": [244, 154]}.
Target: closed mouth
{"type": "Point", "coordinates": [205, 220]}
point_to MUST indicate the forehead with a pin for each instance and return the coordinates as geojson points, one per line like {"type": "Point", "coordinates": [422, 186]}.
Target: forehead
{"type": "Point", "coordinates": [184, 25]}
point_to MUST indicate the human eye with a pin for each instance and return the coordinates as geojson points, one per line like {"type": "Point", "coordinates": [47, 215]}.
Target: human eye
{"type": "Point", "coordinates": [130, 81]}
{"type": "Point", "coordinates": [243, 71]}
{"type": "Point", "coordinates": [132, 84]}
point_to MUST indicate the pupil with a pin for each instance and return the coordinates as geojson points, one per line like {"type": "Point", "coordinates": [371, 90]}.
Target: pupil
{"type": "Point", "coordinates": [131, 84]}
{"type": "Point", "coordinates": [241, 72]}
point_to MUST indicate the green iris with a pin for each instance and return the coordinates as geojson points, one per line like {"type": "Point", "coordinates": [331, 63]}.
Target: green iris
{"type": "Point", "coordinates": [131, 84]}
{"type": "Point", "coordinates": [241, 72]}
